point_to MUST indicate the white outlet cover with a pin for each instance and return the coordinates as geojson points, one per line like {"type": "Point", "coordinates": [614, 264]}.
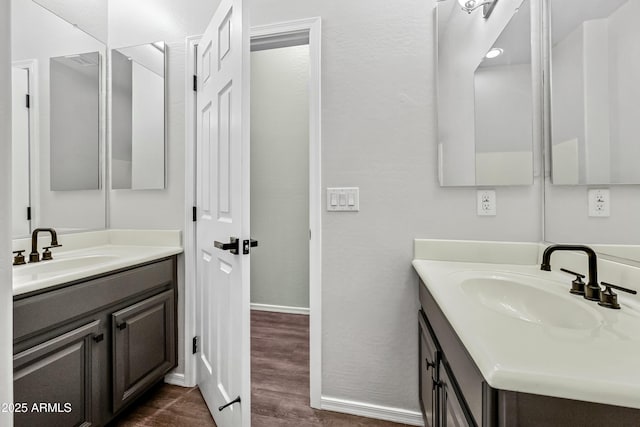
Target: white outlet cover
{"type": "Point", "coordinates": [599, 202]}
{"type": "Point", "coordinates": [486, 202]}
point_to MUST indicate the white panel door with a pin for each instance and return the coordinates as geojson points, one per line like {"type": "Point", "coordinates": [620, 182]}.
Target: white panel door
{"type": "Point", "coordinates": [20, 151]}
{"type": "Point", "coordinates": [222, 286]}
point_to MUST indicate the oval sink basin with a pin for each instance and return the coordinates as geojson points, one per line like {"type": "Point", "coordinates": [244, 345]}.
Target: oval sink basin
{"type": "Point", "coordinates": [513, 296]}
{"type": "Point", "coordinates": [34, 271]}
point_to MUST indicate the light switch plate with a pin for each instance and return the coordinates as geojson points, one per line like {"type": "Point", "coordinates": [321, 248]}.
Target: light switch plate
{"type": "Point", "coordinates": [343, 199]}
{"type": "Point", "coordinates": [486, 203]}
{"type": "Point", "coordinates": [599, 202]}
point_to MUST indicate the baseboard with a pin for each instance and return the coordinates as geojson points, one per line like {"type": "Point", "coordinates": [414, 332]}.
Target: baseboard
{"type": "Point", "coordinates": [175, 379]}
{"type": "Point", "coordinates": [280, 309]}
{"type": "Point", "coordinates": [362, 409]}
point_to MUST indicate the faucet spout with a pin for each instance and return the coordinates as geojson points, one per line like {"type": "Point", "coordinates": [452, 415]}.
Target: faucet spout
{"type": "Point", "coordinates": [34, 256]}
{"type": "Point", "coordinates": [592, 291]}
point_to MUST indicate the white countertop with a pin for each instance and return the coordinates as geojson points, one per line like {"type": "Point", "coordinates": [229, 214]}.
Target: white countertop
{"type": "Point", "coordinates": [598, 363]}
{"type": "Point", "coordinates": [93, 253]}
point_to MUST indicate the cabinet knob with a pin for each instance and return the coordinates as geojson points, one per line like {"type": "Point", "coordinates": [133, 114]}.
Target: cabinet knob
{"type": "Point", "coordinates": [98, 338]}
{"type": "Point", "coordinates": [122, 325]}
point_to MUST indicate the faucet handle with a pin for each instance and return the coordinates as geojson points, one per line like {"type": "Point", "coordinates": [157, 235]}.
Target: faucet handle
{"type": "Point", "coordinates": [46, 255]}
{"type": "Point", "coordinates": [609, 299]}
{"type": "Point", "coordinates": [19, 258]}
{"type": "Point", "coordinates": [577, 286]}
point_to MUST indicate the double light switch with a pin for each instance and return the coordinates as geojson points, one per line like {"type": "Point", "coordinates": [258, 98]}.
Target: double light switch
{"type": "Point", "coordinates": [345, 199]}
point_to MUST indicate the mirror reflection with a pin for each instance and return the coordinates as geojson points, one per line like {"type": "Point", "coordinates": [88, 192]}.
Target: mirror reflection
{"type": "Point", "coordinates": [594, 91]}
{"type": "Point", "coordinates": [482, 138]}
{"type": "Point", "coordinates": [137, 117]}
{"type": "Point", "coordinates": [504, 106]}
{"type": "Point", "coordinates": [75, 121]}
{"type": "Point", "coordinates": [59, 67]}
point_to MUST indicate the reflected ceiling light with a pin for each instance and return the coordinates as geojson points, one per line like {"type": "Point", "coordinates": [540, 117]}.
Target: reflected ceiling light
{"type": "Point", "coordinates": [494, 53]}
{"type": "Point", "coordinates": [471, 5]}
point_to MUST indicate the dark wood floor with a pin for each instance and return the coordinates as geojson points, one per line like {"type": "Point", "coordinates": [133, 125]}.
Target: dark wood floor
{"type": "Point", "coordinates": [279, 385]}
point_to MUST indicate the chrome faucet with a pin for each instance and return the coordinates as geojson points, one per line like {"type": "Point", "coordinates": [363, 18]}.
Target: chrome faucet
{"type": "Point", "coordinates": [34, 256]}
{"type": "Point", "coordinates": [592, 290]}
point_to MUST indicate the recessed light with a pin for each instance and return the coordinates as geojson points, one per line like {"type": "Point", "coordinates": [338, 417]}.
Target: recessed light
{"type": "Point", "coordinates": [494, 53]}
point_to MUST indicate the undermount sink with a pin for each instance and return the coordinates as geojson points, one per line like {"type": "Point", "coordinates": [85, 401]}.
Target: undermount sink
{"type": "Point", "coordinates": [41, 269]}
{"type": "Point", "coordinates": [524, 297]}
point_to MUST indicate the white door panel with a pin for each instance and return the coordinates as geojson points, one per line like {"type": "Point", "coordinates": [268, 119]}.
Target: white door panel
{"type": "Point", "coordinates": [222, 205]}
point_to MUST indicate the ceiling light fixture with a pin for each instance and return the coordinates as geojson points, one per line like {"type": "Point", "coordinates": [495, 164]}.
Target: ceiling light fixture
{"type": "Point", "coordinates": [471, 5]}
{"type": "Point", "coordinates": [494, 53]}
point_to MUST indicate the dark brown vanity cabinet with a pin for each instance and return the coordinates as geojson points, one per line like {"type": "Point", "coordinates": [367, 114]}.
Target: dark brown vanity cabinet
{"type": "Point", "coordinates": [58, 377]}
{"type": "Point", "coordinates": [429, 365]}
{"type": "Point", "coordinates": [142, 350]}
{"type": "Point", "coordinates": [85, 350]}
{"type": "Point", "coordinates": [441, 401]}
{"type": "Point", "coordinates": [456, 394]}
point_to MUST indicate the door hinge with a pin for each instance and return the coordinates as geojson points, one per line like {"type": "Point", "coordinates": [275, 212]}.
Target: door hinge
{"type": "Point", "coordinates": [195, 83]}
{"type": "Point", "coordinates": [28, 101]}
{"type": "Point", "coordinates": [195, 214]}
{"type": "Point", "coordinates": [28, 213]}
{"type": "Point", "coordinates": [195, 345]}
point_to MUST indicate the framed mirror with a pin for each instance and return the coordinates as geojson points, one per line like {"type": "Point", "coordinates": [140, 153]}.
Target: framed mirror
{"type": "Point", "coordinates": [138, 117]}
{"type": "Point", "coordinates": [595, 46]}
{"type": "Point", "coordinates": [58, 140]}
{"type": "Point", "coordinates": [592, 125]}
{"type": "Point", "coordinates": [485, 102]}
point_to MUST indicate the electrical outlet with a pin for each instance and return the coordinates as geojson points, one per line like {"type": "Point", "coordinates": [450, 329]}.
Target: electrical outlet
{"type": "Point", "coordinates": [486, 202]}
{"type": "Point", "coordinates": [599, 202]}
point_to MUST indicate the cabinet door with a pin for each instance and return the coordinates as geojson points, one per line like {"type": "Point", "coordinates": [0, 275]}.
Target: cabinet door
{"type": "Point", "coordinates": [428, 374]}
{"type": "Point", "coordinates": [54, 382]}
{"type": "Point", "coordinates": [453, 410]}
{"type": "Point", "coordinates": [144, 347]}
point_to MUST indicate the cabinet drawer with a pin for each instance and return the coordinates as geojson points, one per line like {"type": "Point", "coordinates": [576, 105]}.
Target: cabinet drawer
{"type": "Point", "coordinates": [143, 346]}
{"type": "Point", "coordinates": [45, 311]}
{"type": "Point", "coordinates": [60, 372]}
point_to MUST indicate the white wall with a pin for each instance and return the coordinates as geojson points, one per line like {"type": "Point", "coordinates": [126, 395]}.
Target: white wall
{"type": "Point", "coordinates": [280, 176]}
{"type": "Point", "coordinates": [6, 299]}
{"type": "Point", "coordinates": [38, 34]}
{"type": "Point", "coordinates": [379, 133]}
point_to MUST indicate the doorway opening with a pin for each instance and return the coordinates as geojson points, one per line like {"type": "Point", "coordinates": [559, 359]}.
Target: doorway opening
{"type": "Point", "coordinates": [285, 211]}
{"type": "Point", "coordinates": [308, 29]}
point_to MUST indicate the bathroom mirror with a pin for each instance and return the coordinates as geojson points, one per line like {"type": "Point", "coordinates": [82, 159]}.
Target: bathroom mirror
{"type": "Point", "coordinates": [483, 140]}
{"type": "Point", "coordinates": [595, 46]}
{"type": "Point", "coordinates": [138, 117]}
{"type": "Point", "coordinates": [590, 126]}
{"type": "Point", "coordinates": [61, 128]}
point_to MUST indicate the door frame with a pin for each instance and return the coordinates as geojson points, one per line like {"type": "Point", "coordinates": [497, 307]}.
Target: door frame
{"type": "Point", "coordinates": [312, 26]}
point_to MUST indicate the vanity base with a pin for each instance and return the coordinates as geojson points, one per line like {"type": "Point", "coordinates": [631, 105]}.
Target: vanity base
{"type": "Point", "coordinates": [454, 392]}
